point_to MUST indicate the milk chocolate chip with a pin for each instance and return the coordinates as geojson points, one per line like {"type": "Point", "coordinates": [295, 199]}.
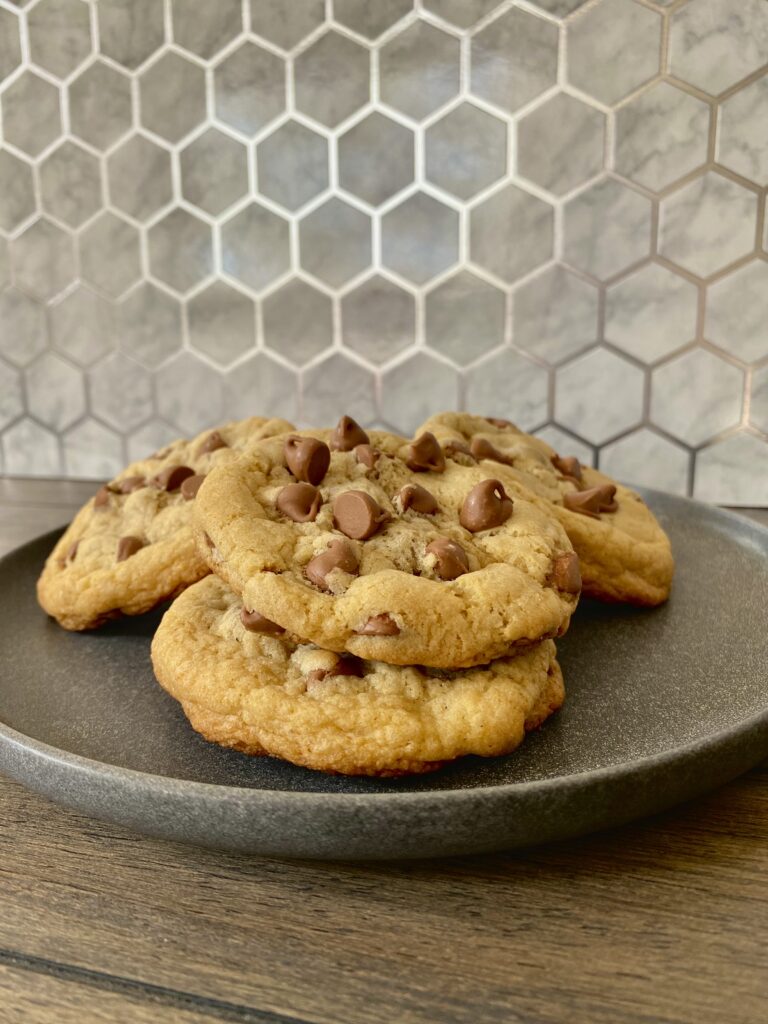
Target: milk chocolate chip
{"type": "Point", "coordinates": [453, 448]}
{"type": "Point", "coordinates": [451, 558]}
{"type": "Point", "coordinates": [569, 466]}
{"type": "Point", "coordinates": [255, 622]}
{"type": "Point", "coordinates": [300, 502]}
{"type": "Point", "coordinates": [172, 477]}
{"type": "Point", "coordinates": [347, 434]}
{"type": "Point", "coordinates": [426, 454]}
{"type": "Point", "coordinates": [379, 625]}
{"type": "Point", "coordinates": [565, 574]}
{"type": "Point", "coordinates": [128, 546]}
{"type": "Point", "coordinates": [338, 555]}
{"type": "Point", "coordinates": [72, 552]}
{"type": "Point", "coordinates": [481, 448]}
{"type": "Point", "coordinates": [498, 422]}
{"type": "Point", "coordinates": [357, 514]}
{"type": "Point", "coordinates": [191, 486]}
{"type": "Point", "coordinates": [487, 505]}
{"type": "Point", "coordinates": [593, 501]}
{"type": "Point", "coordinates": [367, 455]}
{"type": "Point", "coordinates": [418, 498]}
{"type": "Point", "coordinates": [308, 459]}
{"type": "Point", "coordinates": [212, 443]}
{"type": "Point", "coordinates": [347, 665]}
{"type": "Point", "coordinates": [131, 484]}
{"type": "Point", "coordinates": [101, 498]}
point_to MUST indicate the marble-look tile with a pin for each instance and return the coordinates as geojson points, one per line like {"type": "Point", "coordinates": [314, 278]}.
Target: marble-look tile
{"type": "Point", "coordinates": [43, 259]}
{"type": "Point", "coordinates": [82, 326]}
{"type": "Point", "coordinates": [30, 92]}
{"type": "Point", "coordinates": [150, 437]}
{"type": "Point", "coordinates": [733, 472]}
{"type": "Point", "coordinates": [172, 96]}
{"type": "Point", "coordinates": [466, 150]}
{"type": "Point", "coordinates": [30, 450]}
{"type": "Point", "coordinates": [554, 316]}
{"type": "Point", "coordinates": [292, 165]}
{"type": "Point", "coordinates": [607, 228]}
{"type": "Point", "coordinates": [10, 43]}
{"type": "Point", "coordinates": [708, 224]}
{"type": "Point", "coordinates": [462, 13]}
{"type": "Point", "coordinates": [736, 317]}
{"type": "Point", "coordinates": [566, 444]}
{"type": "Point", "coordinates": [23, 333]}
{"type": "Point", "coordinates": [11, 405]}
{"type": "Point", "coordinates": [284, 25]}
{"type": "Point", "coordinates": [375, 158]}
{"type": "Point", "coordinates": [249, 88]}
{"type": "Point", "coordinates": [465, 317]}
{"type": "Point", "coordinates": [100, 105]}
{"type": "Point", "coordinates": [645, 459]}
{"type": "Point", "coordinates": [416, 389]}
{"type": "Point", "coordinates": [131, 32]}
{"type": "Point", "coordinates": [758, 410]}
{"type": "Point", "coordinates": [715, 43]}
{"type": "Point", "coordinates": [332, 79]}
{"type": "Point", "coordinates": [599, 395]}
{"type": "Point", "coordinates": [5, 264]}
{"type": "Point", "coordinates": [514, 59]}
{"type": "Point", "coordinates": [560, 144]}
{"type": "Point", "coordinates": [112, 235]}
{"type": "Point", "coordinates": [222, 323]}
{"type": "Point", "coordinates": [190, 394]}
{"type": "Point", "coordinates": [203, 27]}
{"type": "Point", "coordinates": [511, 233]}
{"type": "Point", "coordinates": [599, 60]}
{"type": "Point", "coordinates": [120, 392]}
{"type": "Point", "coordinates": [337, 386]}
{"type": "Point", "coordinates": [419, 70]}
{"type": "Point", "coordinates": [368, 19]}
{"type": "Point", "coordinates": [17, 193]}
{"type": "Point", "coordinates": [742, 140]}
{"type": "Point", "coordinates": [420, 238]}
{"type": "Point", "coordinates": [149, 325]}
{"type": "Point", "coordinates": [92, 451]}
{"type": "Point", "coordinates": [511, 386]}
{"type": "Point", "coordinates": [696, 395]}
{"type": "Point", "coordinates": [378, 319]}
{"type": "Point", "coordinates": [298, 322]}
{"type": "Point", "coordinates": [255, 247]}
{"type": "Point", "coordinates": [651, 313]}
{"type": "Point", "coordinates": [560, 8]}
{"type": "Point", "coordinates": [335, 242]}
{"type": "Point", "coordinates": [55, 392]}
{"type": "Point", "coordinates": [59, 35]}
{"type": "Point", "coordinates": [261, 387]}
{"type": "Point", "coordinates": [660, 136]}
{"type": "Point", "coordinates": [139, 177]}
{"type": "Point", "coordinates": [214, 171]}
{"type": "Point", "coordinates": [70, 184]}
{"type": "Point", "coordinates": [180, 250]}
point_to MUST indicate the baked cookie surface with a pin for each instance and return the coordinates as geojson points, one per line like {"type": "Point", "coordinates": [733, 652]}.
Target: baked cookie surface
{"type": "Point", "coordinates": [131, 546]}
{"type": "Point", "coordinates": [263, 694]}
{"type": "Point", "coordinates": [377, 545]}
{"type": "Point", "coordinates": [624, 553]}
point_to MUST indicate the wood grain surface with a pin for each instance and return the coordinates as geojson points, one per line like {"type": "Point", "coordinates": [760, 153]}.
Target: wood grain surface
{"type": "Point", "coordinates": [660, 921]}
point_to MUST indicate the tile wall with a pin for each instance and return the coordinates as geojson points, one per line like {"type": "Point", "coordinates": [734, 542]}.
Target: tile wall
{"type": "Point", "coordinates": [552, 210]}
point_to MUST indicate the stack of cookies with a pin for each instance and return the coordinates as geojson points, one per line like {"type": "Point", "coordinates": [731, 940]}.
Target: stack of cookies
{"type": "Point", "coordinates": [376, 605]}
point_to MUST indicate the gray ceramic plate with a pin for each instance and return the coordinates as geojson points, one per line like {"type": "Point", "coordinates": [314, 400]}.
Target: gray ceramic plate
{"type": "Point", "coordinates": [662, 705]}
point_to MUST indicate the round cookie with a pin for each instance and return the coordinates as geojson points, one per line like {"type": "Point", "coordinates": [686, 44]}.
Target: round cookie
{"type": "Point", "coordinates": [380, 547]}
{"type": "Point", "coordinates": [132, 545]}
{"type": "Point", "coordinates": [623, 551]}
{"type": "Point", "coordinates": [262, 693]}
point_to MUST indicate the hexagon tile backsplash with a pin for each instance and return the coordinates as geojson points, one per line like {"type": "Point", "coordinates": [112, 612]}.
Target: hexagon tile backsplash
{"type": "Point", "coordinates": [552, 210]}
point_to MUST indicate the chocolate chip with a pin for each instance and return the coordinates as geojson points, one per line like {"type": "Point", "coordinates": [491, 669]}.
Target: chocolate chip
{"type": "Point", "coordinates": [367, 455]}
{"type": "Point", "coordinates": [191, 486]}
{"type": "Point", "coordinates": [347, 434]}
{"type": "Point", "coordinates": [346, 665]}
{"type": "Point", "coordinates": [101, 498]}
{"type": "Point", "coordinates": [487, 505]}
{"type": "Point", "coordinates": [338, 555]}
{"type": "Point", "coordinates": [454, 448]}
{"type": "Point", "coordinates": [379, 625]}
{"type": "Point", "coordinates": [500, 423]}
{"type": "Point", "coordinates": [593, 501]}
{"type": "Point", "coordinates": [451, 558]}
{"type": "Point", "coordinates": [72, 552]}
{"type": "Point", "coordinates": [481, 448]}
{"type": "Point", "coordinates": [172, 477]}
{"type": "Point", "coordinates": [209, 543]}
{"type": "Point", "coordinates": [308, 459]}
{"type": "Point", "coordinates": [128, 546]}
{"type": "Point", "coordinates": [131, 484]}
{"type": "Point", "coordinates": [255, 622]}
{"type": "Point", "coordinates": [418, 498]}
{"type": "Point", "coordinates": [565, 573]}
{"type": "Point", "coordinates": [358, 515]}
{"type": "Point", "coordinates": [300, 502]}
{"type": "Point", "coordinates": [569, 466]}
{"type": "Point", "coordinates": [212, 443]}
{"type": "Point", "coordinates": [426, 454]}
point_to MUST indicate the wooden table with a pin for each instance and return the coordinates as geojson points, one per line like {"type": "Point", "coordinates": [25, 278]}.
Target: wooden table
{"type": "Point", "coordinates": [664, 920]}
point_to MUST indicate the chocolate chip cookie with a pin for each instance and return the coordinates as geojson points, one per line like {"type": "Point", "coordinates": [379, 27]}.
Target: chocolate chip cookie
{"type": "Point", "coordinates": [623, 551]}
{"type": "Point", "coordinates": [261, 693]}
{"type": "Point", "coordinates": [386, 549]}
{"type": "Point", "coordinates": [132, 546]}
